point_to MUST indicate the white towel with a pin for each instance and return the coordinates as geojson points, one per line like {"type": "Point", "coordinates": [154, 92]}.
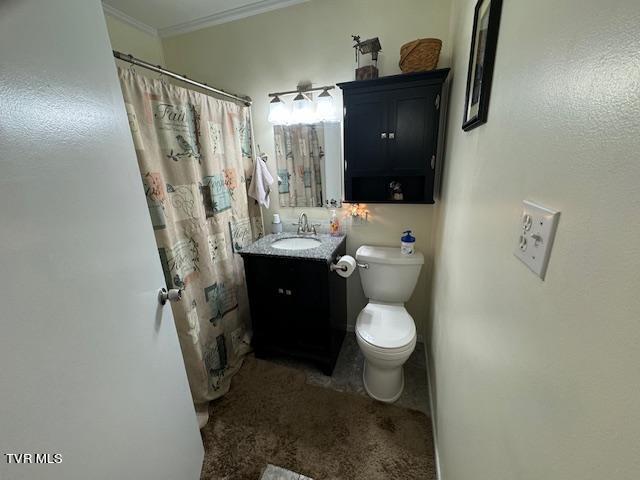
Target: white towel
{"type": "Point", "coordinates": [259, 186]}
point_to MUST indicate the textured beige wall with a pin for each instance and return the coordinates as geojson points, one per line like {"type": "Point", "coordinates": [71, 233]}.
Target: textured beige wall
{"type": "Point", "coordinates": [311, 41]}
{"type": "Point", "coordinates": [128, 39]}
{"type": "Point", "coordinates": [541, 380]}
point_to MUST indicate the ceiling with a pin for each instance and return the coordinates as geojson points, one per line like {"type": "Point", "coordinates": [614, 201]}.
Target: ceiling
{"type": "Point", "coordinates": [171, 17]}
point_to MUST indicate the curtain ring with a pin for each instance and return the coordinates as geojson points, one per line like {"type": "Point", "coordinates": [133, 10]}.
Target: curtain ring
{"type": "Point", "coordinates": [163, 79]}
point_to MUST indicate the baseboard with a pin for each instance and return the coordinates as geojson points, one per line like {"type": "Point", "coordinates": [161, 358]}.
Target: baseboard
{"type": "Point", "coordinates": [432, 416]}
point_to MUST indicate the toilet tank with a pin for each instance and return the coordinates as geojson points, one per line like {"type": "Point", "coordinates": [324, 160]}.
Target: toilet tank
{"type": "Point", "coordinates": [389, 276]}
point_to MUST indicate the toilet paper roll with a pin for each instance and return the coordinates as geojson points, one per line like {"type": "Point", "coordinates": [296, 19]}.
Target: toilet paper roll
{"type": "Point", "coordinates": [345, 266]}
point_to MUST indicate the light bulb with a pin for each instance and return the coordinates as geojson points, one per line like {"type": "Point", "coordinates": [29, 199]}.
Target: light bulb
{"type": "Point", "coordinates": [302, 111]}
{"type": "Point", "coordinates": [278, 113]}
{"type": "Point", "coordinates": [325, 110]}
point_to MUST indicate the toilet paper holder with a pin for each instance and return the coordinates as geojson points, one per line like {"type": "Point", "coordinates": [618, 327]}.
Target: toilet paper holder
{"type": "Point", "coordinates": [333, 267]}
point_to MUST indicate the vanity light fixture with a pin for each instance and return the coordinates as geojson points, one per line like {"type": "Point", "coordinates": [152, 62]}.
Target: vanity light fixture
{"type": "Point", "coordinates": [278, 112]}
{"type": "Point", "coordinates": [304, 109]}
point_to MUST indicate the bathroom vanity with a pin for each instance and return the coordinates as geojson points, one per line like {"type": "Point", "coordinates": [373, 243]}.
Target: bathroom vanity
{"type": "Point", "coordinates": [298, 304]}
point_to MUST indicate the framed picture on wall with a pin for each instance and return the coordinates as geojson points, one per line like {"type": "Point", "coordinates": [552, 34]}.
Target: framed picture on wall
{"type": "Point", "coordinates": [484, 40]}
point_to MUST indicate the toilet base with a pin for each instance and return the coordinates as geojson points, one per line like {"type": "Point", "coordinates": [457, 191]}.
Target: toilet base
{"type": "Point", "coordinates": [383, 384]}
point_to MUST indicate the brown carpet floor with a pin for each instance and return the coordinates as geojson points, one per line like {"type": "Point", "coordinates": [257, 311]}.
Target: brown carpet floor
{"type": "Point", "coordinates": [271, 415]}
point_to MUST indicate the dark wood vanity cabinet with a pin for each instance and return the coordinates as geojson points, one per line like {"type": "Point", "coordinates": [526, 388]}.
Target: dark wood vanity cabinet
{"type": "Point", "coordinates": [298, 307]}
{"type": "Point", "coordinates": [393, 133]}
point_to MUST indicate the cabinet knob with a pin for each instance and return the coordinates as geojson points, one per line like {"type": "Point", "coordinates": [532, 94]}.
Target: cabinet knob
{"type": "Point", "coordinates": [392, 135]}
{"type": "Point", "coordinates": [383, 135]}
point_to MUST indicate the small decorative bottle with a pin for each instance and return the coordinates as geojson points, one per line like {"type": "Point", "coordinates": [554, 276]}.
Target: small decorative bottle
{"type": "Point", "coordinates": [395, 189]}
{"type": "Point", "coordinates": [334, 224]}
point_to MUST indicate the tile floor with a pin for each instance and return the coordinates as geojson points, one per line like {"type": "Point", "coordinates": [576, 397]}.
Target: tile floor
{"type": "Point", "coordinates": [347, 376]}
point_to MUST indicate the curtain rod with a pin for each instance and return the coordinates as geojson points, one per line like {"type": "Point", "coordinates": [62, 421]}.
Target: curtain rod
{"type": "Point", "coordinates": [183, 78]}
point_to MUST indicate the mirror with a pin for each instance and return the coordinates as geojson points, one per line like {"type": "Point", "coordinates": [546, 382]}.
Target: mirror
{"type": "Point", "coordinates": [309, 164]}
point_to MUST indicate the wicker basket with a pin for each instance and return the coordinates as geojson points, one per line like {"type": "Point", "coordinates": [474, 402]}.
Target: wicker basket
{"type": "Point", "coordinates": [420, 55]}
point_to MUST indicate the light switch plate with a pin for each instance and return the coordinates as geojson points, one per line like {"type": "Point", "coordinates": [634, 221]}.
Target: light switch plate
{"type": "Point", "coordinates": [537, 230]}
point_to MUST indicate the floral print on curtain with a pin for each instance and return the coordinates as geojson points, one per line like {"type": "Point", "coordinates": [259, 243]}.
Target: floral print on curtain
{"type": "Point", "coordinates": [194, 154]}
{"type": "Point", "coordinates": [299, 159]}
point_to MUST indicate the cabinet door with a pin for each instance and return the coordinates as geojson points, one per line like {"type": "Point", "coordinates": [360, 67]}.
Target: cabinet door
{"type": "Point", "coordinates": [311, 316]}
{"type": "Point", "coordinates": [413, 121]}
{"type": "Point", "coordinates": [365, 134]}
{"type": "Point", "coordinates": [268, 282]}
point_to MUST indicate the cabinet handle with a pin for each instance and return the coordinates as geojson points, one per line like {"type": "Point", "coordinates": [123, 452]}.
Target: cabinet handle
{"type": "Point", "coordinates": [437, 102]}
{"type": "Point", "coordinates": [392, 135]}
{"type": "Point", "coordinates": [383, 135]}
{"type": "Point", "coordinates": [433, 162]}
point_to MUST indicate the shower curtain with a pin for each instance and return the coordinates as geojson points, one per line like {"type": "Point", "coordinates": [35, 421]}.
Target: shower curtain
{"type": "Point", "coordinates": [299, 157]}
{"type": "Point", "coordinates": [195, 159]}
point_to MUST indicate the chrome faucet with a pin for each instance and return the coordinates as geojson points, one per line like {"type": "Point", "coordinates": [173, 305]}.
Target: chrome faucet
{"type": "Point", "coordinates": [303, 225]}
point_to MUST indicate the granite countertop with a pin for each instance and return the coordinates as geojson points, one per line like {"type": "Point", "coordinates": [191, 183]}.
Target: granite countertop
{"type": "Point", "coordinates": [322, 252]}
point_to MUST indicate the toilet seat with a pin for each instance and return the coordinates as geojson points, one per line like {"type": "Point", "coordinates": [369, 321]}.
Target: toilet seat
{"type": "Point", "coordinates": [386, 328]}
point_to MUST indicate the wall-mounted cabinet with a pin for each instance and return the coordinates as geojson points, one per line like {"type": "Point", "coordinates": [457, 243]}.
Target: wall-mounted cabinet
{"type": "Point", "coordinates": [393, 137]}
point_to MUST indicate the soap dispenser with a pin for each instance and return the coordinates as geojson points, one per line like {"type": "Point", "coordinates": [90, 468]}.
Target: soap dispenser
{"type": "Point", "coordinates": [407, 243]}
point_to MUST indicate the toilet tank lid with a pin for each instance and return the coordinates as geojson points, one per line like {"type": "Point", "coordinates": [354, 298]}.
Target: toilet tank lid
{"type": "Point", "coordinates": [388, 255]}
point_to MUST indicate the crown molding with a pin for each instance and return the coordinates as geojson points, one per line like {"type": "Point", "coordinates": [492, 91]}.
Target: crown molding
{"type": "Point", "coordinates": [254, 8]}
{"type": "Point", "coordinates": [129, 20]}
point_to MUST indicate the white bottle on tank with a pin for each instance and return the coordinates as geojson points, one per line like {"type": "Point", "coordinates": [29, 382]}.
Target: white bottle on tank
{"type": "Point", "coordinates": [407, 243]}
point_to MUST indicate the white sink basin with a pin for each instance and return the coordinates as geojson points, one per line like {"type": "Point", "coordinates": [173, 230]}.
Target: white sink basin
{"type": "Point", "coordinates": [296, 243]}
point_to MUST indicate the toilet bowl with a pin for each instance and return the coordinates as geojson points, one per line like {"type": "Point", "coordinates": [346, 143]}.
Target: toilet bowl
{"type": "Point", "coordinates": [386, 335]}
{"type": "Point", "coordinates": [385, 332]}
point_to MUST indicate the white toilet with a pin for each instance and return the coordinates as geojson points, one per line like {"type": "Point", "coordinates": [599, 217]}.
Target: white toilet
{"type": "Point", "coordinates": [385, 331]}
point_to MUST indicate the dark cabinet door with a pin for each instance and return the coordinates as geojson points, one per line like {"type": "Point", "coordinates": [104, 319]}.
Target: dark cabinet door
{"type": "Point", "coordinates": [366, 134]}
{"type": "Point", "coordinates": [311, 322]}
{"type": "Point", "coordinates": [271, 307]}
{"type": "Point", "coordinates": [413, 130]}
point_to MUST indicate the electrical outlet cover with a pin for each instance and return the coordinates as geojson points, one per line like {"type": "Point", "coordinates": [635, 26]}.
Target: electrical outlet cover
{"type": "Point", "coordinates": [537, 230]}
